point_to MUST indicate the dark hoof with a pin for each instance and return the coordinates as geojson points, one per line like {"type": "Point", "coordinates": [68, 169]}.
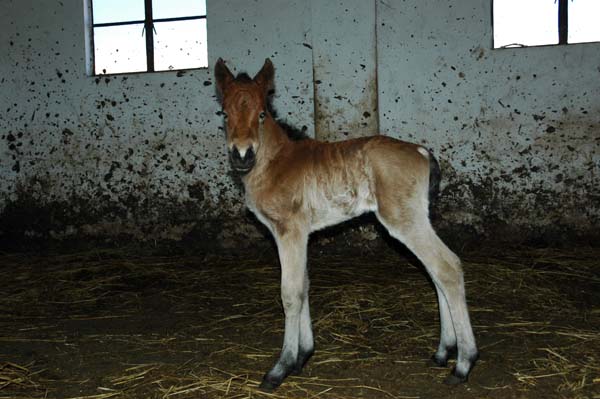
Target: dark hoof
{"type": "Point", "coordinates": [434, 361]}
{"type": "Point", "coordinates": [269, 385]}
{"type": "Point", "coordinates": [454, 378]}
{"type": "Point", "coordinates": [301, 362]}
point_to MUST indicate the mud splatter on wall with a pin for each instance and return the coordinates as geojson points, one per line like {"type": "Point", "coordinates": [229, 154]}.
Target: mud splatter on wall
{"type": "Point", "coordinates": [133, 155]}
{"type": "Point", "coordinates": [517, 130]}
{"type": "Point", "coordinates": [143, 156]}
{"type": "Point", "coordinates": [344, 69]}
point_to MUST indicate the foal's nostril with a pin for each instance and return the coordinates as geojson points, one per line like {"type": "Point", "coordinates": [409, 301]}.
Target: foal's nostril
{"type": "Point", "coordinates": [235, 154]}
{"type": "Point", "coordinates": [249, 155]}
{"type": "Point", "coordinates": [243, 161]}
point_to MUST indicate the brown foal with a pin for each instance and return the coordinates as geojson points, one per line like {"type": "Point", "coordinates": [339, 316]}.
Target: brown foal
{"type": "Point", "coordinates": [297, 187]}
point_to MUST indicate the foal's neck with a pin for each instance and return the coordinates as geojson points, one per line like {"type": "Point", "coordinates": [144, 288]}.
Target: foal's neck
{"type": "Point", "coordinates": [274, 138]}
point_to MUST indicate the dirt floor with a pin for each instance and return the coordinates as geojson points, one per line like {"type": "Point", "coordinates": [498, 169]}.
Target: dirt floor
{"type": "Point", "coordinates": [112, 324]}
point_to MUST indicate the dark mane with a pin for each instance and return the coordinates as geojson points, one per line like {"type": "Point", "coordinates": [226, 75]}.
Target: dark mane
{"type": "Point", "coordinates": [293, 132]}
{"type": "Point", "coordinates": [243, 77]}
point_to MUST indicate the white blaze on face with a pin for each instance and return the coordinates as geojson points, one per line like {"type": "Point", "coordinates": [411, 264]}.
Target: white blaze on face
{"type": "Point", "coordinates": [242, 152]}
{"type": "Point", "coordinates": [241, 149]}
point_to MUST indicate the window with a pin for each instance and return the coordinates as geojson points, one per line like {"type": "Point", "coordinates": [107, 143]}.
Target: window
{"type": "Point", "coordinates": [522, 23]}
{"type": "Point", "coordinates": [147, 35]}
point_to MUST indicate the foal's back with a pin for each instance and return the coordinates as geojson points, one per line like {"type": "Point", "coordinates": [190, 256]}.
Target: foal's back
{"type": "Point", "coordinates": [333, 182]}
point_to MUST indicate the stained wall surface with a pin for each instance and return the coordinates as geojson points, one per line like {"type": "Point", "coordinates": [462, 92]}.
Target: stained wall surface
{"type": "Point", "coordinates": [517, 130]}
{"type": "Point", "coordinates": [132, 155]}
{"type": "Point", "coordinates": [142, 156]}
{"type": "Point", "coordinates": [344, 68]}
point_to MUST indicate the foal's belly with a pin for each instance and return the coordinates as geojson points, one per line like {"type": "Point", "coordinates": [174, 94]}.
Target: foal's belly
{"type": "Point", "coordinates": [328, 209]}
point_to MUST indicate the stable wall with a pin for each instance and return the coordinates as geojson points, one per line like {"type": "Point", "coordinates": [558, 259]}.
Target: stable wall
{"type": "Point", "coordinates": [142, 156]}
{"type": "Point", "coordinates": [133, 155]}
{"type": "Point", "coordinates": [517, 130]}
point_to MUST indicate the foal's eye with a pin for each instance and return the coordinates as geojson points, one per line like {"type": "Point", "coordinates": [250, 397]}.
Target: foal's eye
{"type": "Point", "coordinates": [262, 116]}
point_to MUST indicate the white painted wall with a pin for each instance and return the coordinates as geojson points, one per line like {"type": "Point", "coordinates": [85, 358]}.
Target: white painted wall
{"type": "Point", "coordinates": [139, 154]}
{"type": "Point", "coordinates": [344, 68]}
{"type": "Point", "coordinates": [516, 130]}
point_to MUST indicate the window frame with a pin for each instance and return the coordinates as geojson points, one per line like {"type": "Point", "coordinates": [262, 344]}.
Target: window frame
{"type": "Point", "coordinates": [563, 29]}
{"type": "Point", "coordinates": [148, 31]}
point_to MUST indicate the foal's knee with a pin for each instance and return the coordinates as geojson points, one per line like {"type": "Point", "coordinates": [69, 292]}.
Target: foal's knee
{"type": "Point", "coordinates": [291, 304]}
{"type": "Point", "coordinates": [291, 298]}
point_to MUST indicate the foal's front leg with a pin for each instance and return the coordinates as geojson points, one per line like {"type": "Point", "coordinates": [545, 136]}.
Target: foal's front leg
{"type": "Point", "coordinates": [306, 343]}
{"type": "Point", "coordinates": [298, 339]}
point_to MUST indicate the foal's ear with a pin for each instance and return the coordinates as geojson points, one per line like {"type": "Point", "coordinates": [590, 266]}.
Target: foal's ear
{"type": "Point", "coordinates": [223, 76]}
{"type": "Point", "coordinates": [265, 76]}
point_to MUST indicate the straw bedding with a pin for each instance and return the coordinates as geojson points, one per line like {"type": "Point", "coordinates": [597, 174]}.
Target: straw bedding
{"type": "Point", "coordinates": [120, 324]}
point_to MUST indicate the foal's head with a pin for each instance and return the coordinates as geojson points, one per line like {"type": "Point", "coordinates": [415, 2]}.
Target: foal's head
{"type": "Point", "coordinates": [244, 102]}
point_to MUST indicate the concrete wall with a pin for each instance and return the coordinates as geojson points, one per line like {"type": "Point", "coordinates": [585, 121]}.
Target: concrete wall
{"type": "Point", "coordinates": [344, 68]}
{"type": "Point", "coordinates": [142, 155]}
{"type": "Point", "coordinates": [517, 130]}
{"type": "Point", "coordinates": [135, 155]}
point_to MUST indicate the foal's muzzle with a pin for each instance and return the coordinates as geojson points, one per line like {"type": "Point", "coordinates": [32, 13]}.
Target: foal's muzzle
{"type": "Point", "coordinates": [242, 164]}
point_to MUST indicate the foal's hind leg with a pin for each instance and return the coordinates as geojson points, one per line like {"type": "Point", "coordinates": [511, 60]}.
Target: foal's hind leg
{"type": "Point", "coordinates": [447, 346]}
{"type": "Point", "coordinates": [444, 268]}
{"type": "Point", "coordinates": [298, 339]}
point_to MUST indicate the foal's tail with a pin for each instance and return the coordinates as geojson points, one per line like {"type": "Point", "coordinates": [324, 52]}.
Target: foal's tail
{"type": "Point", "coordinates": [435, 176]}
